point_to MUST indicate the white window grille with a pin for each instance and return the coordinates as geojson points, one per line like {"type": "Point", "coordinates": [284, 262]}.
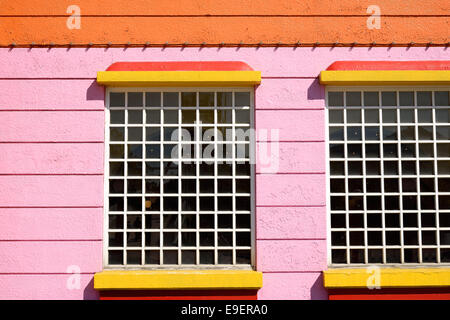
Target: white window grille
{"type": "Point", "coordinates": [388, 175]}
{"type": "Point", "coordinates": [171, 209]}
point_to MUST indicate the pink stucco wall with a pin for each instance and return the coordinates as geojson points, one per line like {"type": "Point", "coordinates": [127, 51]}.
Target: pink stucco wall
{"type": "Point", "coordinates": [51, 163]}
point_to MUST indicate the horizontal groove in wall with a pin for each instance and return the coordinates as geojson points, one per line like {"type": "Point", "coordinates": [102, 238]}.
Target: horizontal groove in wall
{"type": "Point", "coordinates": [51, 240]}
{"type": "Point", "coordinates": [292, 206]}
{"type": "Point", "coordinates": [53, 110]}
{"type": "Point", "coordinates": [295, 109]}
{"type": "Point", "coordinates": [51, 174]}
{"type": "Point", "coordinates": [287, 141]}
{"type": "Point", "coordinates": [306, 271]}
{"type": "Point", "coordinates": [284, 78]}
{"type": "Point", "coordinates": [99, 142]}
{"type": "Point", "coordinates": [257, 108]}
{"type": "Point", "coordinates": [280, 173]}
{"type": "Point", "coordinates": [49, 207]}
{"type": "Point", "coordinates": [288, 239]}
{"type": "Point", "coordinates": [261, 108]}
{"type": "Point", "coordinates": [43, 274]}
{"type": "Point", "coordinates": [40, 78]}
{"type": "Point", "coordinates": [75, 78]}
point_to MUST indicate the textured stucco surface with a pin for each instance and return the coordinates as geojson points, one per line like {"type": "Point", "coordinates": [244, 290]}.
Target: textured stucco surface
{"type": "Point", "coordinates": [51, 163]}
{"type": "Point", "coordinates": [213, 22]}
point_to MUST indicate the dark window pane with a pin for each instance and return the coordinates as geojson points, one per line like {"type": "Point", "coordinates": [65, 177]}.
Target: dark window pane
{"type": "Point", "coordinates": [135, 116]}
{"type": "Point", "coordinates": [152, 186]}
{"type": "Point", "coordinates": [353, 98]}
{"type": "Point", "coordinates": [116, 221]}
{"type": "Point", "coordinates": [116, 134]}
{"type": "Point", "coordinates": [224, 99]}
{"type": "Point", "coordinates": [338, 221]}
{"type": "Point", "coordinates": [116, 99]}
{"type": "Point", "coordinates": [339, 256]}
{"type": "Point", "coordinates": [134, 203]}
{"type": "Point", "coordinates": [153, 116]}
{"type": "Point", "coordinates": [170, 99]}
{"type": "Point", "coordinates": [115, 239]}
{"type": "Point", "coordinates": [354, 150]}
{"type": "Point", "coordinates": [116, 186]}
{"type": "Point", "coordinates": [188, 239]}
{"type": "Point", "coordinates": [406, 98]}
{"type": "Point", "coordinates": [116, 204]}
{"type": "Point", "coordinates": [206, 203]}
{"type": "Point", "coordinates": [353, 116]}
{"type": "Point", "coordinates": [170, 203]}
{"type": "Point", "coordinates": [371, 98]}
{"type": "Point", "coordinates": [189, 99]}
{"type": "Point", "coordinates": [135, 99]}
{"type": "Point", "coordinates": [389, 98]}
{"type": "Point", "coordinates": [424, 98]}
{"type": "Point", "coordinates": [389, 116]}
{"type": "Point", "coordinates": [116, 168]}
{"type": "Point", "coordinates": [225, 239]}
{"type": "Point", "coordinates": [134, 257]}
{"type": "Point", "coordinates": [206, 221]}
{"type": "Point", "coordinates": [335, 99]}
{"type": "Point", "coordinates": [188, 256]}
{"type": "Point", "coordinates": [170, 257]}
{"type": "Point", "coordinates": [116, 151]}
{"type": "Point", "coordinates": [441, 98]}
{"type": "Point", "coordinates": [225, 203]}
{"type": "Point", "coordinates": [115, 257]}
{"type": "Point", "coordinates": [443, 115]}
{"type": "Point", "coordinates": [188, 203]}
{"type": "Point", "coordinates": [407, 116]}
{"type": "Point", "coordinates": [206, 257]}
{"type": "Point", "coordinates": [336, 116]}
{"type": "Point", "coordinates": [206, 99]}
{"type": "Point", "coordinates": [243, 256]}
{"type": "Point", "coordinates": [153, 99]}
{"type": "Point", "coordinates": [117, 117]}
{"type": "Point", "coordinates": [242, 99]}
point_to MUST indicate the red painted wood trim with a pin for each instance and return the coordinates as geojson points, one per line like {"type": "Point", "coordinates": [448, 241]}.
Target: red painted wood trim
{"type": "Point", "coordinates": [390, 294]}
{"type": "Point", "coordinates": [389, 65]}
{"type": "Point", "coordinates": [181, 66]}
{"type": "Point", "coordinates": [179, 295]}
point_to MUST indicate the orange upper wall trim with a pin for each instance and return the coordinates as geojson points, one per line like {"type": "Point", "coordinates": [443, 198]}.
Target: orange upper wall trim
{"type": "Point", "coordinates": [224, 7]}
{"type": "Point", "coordinates": [228, 30]}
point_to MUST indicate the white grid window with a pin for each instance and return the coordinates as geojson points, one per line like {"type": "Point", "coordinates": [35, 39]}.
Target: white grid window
{"type": "Point", "coordinates": [389, 175]}
{"type": "Point", "coordinates": [179, 189]}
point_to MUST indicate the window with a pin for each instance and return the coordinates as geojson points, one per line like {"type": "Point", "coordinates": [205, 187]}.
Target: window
{"type": "Point", "coordinates": [389, 175]}
{"type": "Point", "coordinates": [179, 188]}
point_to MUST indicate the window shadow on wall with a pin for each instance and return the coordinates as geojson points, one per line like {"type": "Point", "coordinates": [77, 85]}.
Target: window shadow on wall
{"type": "Point", "coordinates": [316, 91]}
{"type": "Point", "coordinates": [318, 292]}
{"type": "Point", "coordinates": [95, 92]}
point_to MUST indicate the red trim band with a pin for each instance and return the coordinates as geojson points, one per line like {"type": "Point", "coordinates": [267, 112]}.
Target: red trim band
{"type": "Point", "coordinates": [181, 66]}
{"type": "Point", "coordinates": [388, 65]}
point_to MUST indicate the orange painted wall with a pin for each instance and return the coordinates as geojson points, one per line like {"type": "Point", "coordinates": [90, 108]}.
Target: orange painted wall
{"type": "Point", "coordinates": [228, 21]}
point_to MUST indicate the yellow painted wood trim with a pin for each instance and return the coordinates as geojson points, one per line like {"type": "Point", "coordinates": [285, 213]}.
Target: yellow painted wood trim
{"type": "Point", "coordinates": [388, 278]}
{"type": "Point", "coordinates": [177, 279]}
{"type": "Point", "coordinates": [178, 78]}
{"type": "Point", "coordinates": [392, 77]}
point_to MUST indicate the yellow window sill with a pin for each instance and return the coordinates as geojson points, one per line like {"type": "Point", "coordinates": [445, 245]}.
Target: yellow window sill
{"type": "Point", "coordinates": [179, 78]}
{"type": "Point", "coordinates": [388, 278]}
{"type": "Point", "coordinates": [177, 279]}
{"type": "Point", "coordinates": [385, 77]}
